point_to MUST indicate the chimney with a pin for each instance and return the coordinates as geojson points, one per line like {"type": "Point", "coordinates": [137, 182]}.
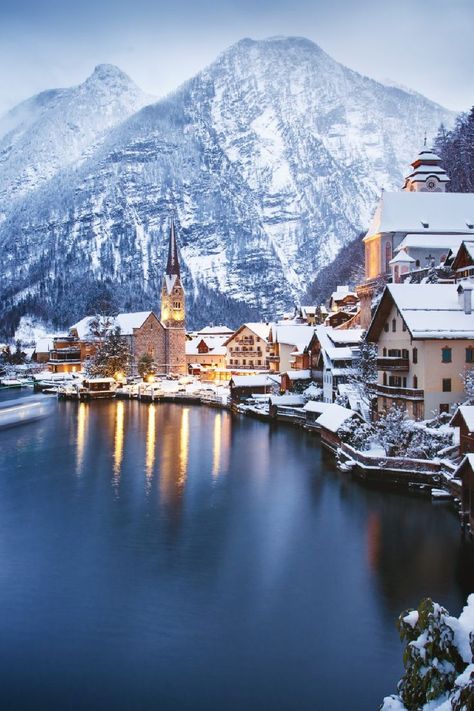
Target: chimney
{"type": "Point", "coordinates": [465, 297]}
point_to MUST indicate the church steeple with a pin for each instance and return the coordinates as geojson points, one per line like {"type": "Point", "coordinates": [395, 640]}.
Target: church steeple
{"type": "Point", "coordinates": [172, 293]}
{"type": "Point", "coordinates": [428, 175]}
{"type": "Point", "coordinates": [172, 267]}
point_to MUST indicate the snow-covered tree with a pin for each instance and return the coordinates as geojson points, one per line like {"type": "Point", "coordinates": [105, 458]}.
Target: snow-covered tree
{"type": "Point", "coordinates": [468, 378]}
{"type": "Point", "coordinates": [438, 660]}
{"type": "Point", "coordinates": [363, 373]}
{"type": "Point", "coordinates": [356, 433]}
{"type": "Point", "coordinates": [394, 431]}
{"type": "Point", "coordinates": [146, 366]}
{"type": "Point", "coordinates": [112, 356]}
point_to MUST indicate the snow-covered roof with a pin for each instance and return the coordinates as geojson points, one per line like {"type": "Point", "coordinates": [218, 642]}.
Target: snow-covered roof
{"type": "Point", "coordinates": [287, 400]}
{"type": "Point", "coordinates": [316, 406]}
{"type": "Point", "coordinates": [126, 322]}
{"type": "Point", "coordinates": [258, 381]}
{"type": "Point", "coordinates": [262, 330]}
{"type": "Point", "coordinates": [467, 413]}
{"type": "Point", "coordinates": [407, 211]}
{"type": "Point", "coordinates": [402, 258]}
{"type": "Point", "coordinates": [333, 343]}
{"type": "Point", "coordinates": [334, 417]}
{"type": "Point", "coordinates": [214, 344]}
{"type": "Point", "coordinates": [422, 240]}
{"type": "Point", "coordinates": [292, 334]}
{"type": "Point", "coordinates": [468, 458]}
{"type": "Point", "coordinates": [216, 331]}
{"type": "Point", "coordinates": [432, 310]}
{"type": "Point", "coordinates": [346, 335]}
{"type": "Point", "coordinates": [294, 375]}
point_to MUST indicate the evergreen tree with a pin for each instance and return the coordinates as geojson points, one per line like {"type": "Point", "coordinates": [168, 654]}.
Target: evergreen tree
{"type": "Point", "coordinates": [146, 366]}
{"type": "Point", "coordinates": [112, 356]}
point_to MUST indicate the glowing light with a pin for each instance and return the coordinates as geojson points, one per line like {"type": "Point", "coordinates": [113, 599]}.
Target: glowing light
{"type": "Point", "coordinates": [81, 435]}
{"type": "Point", "coordinates": [118, 441]}
{"type": "Point", "coordinates": [217, 444]}
{"type": "Point", "coordinates": [150, 378]}
{"type": "Point", "coordinates": [184, 445]}
{"type": "Point", "coordinates": [150, 442]}
{"type": "Point", "coordinates": [120, 376]}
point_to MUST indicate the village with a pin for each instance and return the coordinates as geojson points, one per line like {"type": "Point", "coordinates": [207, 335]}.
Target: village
{"type": "Point", "coordinates": [383, 373]}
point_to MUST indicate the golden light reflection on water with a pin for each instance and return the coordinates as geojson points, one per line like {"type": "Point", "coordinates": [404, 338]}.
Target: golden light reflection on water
{"type": "Point", "coordinates": [150, 443]}
{"type": "Point", "coordinates": [184, 446]}
{"type": "Point", "coordinates": [217, 444]}
{"type": "Point", "coordinates": [220, 444]}
{"type": "Point", "coordinates": [81, 435]}
{"type": "Point", "coordinates": [118, 439]}
{"type": "Point", "coordinates": [174, 441]}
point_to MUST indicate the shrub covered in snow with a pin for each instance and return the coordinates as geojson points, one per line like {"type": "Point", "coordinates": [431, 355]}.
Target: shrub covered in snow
{"type": "Point", "coordinates": [438, 660]}
{"type": "Point", "coordinates": [402, 437]}
{"type": "Point", "coordinates": [356, 433]}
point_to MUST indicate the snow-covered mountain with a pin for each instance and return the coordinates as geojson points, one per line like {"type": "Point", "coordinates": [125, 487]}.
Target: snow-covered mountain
{"type": "Point", "coordinates": [59, 127]}
{"type": "Point", "coordinates": [270, 160]}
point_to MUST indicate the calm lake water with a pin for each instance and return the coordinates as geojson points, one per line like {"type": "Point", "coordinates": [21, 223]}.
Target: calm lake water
{"type": "Point", "coordinates": [172, 557]}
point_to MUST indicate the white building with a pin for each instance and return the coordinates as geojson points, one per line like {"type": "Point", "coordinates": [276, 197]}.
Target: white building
{"type": "Point", "coordinates": [338, 349]}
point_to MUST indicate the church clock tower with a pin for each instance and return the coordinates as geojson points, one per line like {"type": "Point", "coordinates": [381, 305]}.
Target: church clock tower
{"type": "Point", "coordinates": [428, 176]}
{"type": "Point", "coordinates": [173, 310]}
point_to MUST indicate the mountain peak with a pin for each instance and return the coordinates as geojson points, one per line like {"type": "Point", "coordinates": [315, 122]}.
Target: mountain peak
{"type": "Point", "coordinates": [108, 73]}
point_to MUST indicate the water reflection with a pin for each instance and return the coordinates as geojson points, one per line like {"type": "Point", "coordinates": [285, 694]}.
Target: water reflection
{"type": "Point", "coordinates": [221, 444]}
{"type": "Point", "coordinates": [118, 440]}
{"type": "Point", "coordinates": [184, 446]}
{"type": "Point", "coordinates": [150, 445]}
{"type": "Point", "coordinates": [174, 455]}
{"type": "Point", "coordinates": [82, 414]}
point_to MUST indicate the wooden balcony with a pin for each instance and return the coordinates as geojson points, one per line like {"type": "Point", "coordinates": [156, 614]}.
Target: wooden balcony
{"type": "Point", "coordinates": [393, 363]}
{"type": "Point", "coordinates": [65, 355]}
{"type": "Point", "coordinates": [396, 392]}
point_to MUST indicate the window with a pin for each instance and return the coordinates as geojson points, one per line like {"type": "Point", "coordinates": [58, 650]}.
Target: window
{"type": "Point", "coordinates": [176, 304]}
{"type": "Point", "coordinates": [415, 382]}
{"type": "Point", "coordinates": [444, 407]}
{"type": "Point", "coordinates": [446, 355]}
{"type": "Point", "coordinates": [404, 326]}
{"type": "Point", "coordinates": [384, 352]}
{"type": "Point", "coordinates": [394, 324]}
{"type": "Point", "coordinates": [470, 355]}
{"type": "Point", "coordinates": [388, 256]}
{"type": "Point", "coordinates": [395, 381]}
{"type": "Point", "coordinates": [415, 355]}
{"type": "Point", "coordinates": [446, 385]}
{"type": "Point", "coordinates": [417, 263]}
{"type": "Point", "coordinates": [385, 378]}
{"type": "Point", "coordinates": [385, 327]}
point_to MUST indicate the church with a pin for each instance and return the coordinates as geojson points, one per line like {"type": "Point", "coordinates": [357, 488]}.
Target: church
{"type": "Point", "coordinates": [422, 222]}
{"type": "Point", "coordinates": [163, 339]}
{"type": "Point", "coordinates": [415, 228]}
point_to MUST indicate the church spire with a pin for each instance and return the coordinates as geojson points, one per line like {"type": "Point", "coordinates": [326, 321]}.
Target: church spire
{"type": "Point", "coordinates": [172, 266]}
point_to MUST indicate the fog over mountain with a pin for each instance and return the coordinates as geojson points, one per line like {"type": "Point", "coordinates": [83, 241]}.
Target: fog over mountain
{"type": "Point", "coordinates": [270, 161]}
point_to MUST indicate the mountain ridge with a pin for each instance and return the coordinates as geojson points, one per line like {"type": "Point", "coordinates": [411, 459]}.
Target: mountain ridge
{"type": "Point", "coordinates": [270, 159]}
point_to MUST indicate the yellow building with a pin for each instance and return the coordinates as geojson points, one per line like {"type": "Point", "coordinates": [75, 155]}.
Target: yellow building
{"type": "Point", "coordinates": [247, 348]}
{"type": "Point", "coordinates": [425, 339]}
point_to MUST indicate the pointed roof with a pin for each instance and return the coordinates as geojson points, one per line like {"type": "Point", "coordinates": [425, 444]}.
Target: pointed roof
{"type": "Point", "coordinates": [425, 165]}
{"type": "Point", "coordinates": [403, 257]}
{"type": "Point", "coordinates": [172, 266]}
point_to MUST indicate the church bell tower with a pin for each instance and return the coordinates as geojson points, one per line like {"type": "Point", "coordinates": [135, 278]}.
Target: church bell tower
{"type": "Point", "coordinates": [173, 310]}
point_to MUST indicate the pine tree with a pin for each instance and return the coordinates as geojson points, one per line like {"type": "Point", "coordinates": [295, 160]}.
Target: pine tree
{"type": "Point", "coordinates": [112, 356]}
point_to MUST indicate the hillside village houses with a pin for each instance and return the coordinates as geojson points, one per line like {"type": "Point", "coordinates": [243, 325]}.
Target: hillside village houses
{"type": "Point", "coordinates": [145, 334]}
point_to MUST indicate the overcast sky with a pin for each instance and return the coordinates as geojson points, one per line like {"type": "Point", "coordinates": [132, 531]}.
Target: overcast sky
{"type": "Point", "coordinates": [423, 44]}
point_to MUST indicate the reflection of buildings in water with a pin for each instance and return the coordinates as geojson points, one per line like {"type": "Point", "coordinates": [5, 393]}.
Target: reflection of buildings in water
{"type": "Point", "coordinates": [174, 455]}
{"type": "Point", "coordinates": [414, 541]}
{"type": "Point", "coordinates": [184, 446]}
{"type": "Point", "coordinates": [150, 443]}
{"type": "Point", "coordinates": [82, 415]}
{"type": "Point", "coordinates": [118, 439]}
{"type": "Point", "coordinates": [373, 540]}
{"type": "Point", "coordinates": [221, 443]}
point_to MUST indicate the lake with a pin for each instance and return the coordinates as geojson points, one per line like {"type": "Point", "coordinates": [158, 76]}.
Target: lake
{"type": "Point", "coordinates": [178, 557]}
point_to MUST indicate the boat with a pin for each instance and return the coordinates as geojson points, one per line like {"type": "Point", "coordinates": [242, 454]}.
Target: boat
{"type": "Point", "coordinates": [24, 410]}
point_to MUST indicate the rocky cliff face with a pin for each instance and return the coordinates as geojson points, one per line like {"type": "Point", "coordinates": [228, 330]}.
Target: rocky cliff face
{"type": "Point", "coordinates": [270, 160]}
